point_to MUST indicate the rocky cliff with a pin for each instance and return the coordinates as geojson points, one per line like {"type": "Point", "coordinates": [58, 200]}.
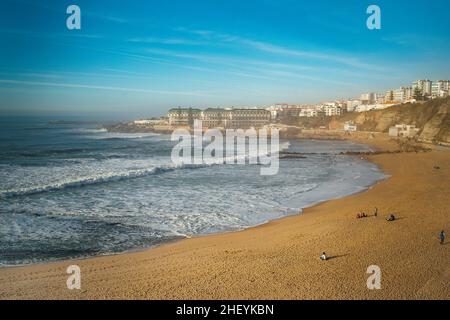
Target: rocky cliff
{"type": "Point", "coordinates": [432, 118]}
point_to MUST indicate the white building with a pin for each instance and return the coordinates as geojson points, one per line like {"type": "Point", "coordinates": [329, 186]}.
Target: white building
{"type": "Point", "coordinates": [142, 122]}
{"type": "Point", "coordinates": [332, 109]}
{"type": "Point", "coordinates": [218, 117]}
{"type": "Point", "coordinates": [399, 95]}
{"type": "Point", "coordinates": [149, 122]}
{"type": "Point", "coordinates": [368, 107]}
{"type": "Point", "coordinates": [403, 130]}
{"type": "Point", "coordinates": [409, 93]}
{"type": "Point", "coordinates": [281, 106]}
{"type": "Point", "coordinates": [367, 98]}
{"type": "Point", "coordinates": [352, 104]}
{"type": "Point", "coordinates": [379, 98]}
{"type": "Point", "coordinates": [309, 112]}
{"type": "Point", "coordinates": [389, 96]}
{"type": "Point", "coordinates": [424, 87]}
{"type": "Point", "coordinates": [274, 111]}
{"type": "Point", "coordinates": [350, 127]}
{"type": "Point", "coordinates": [245, 118]}
{"type": "Point", "coordinates": [440, 88]}
{"type": "Point", "coordinates": [403, 94]}
{"type": "Point", "coordinates": [183, 116]}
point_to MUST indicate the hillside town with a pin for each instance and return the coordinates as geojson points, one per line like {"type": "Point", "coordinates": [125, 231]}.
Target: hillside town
{"type": "Point", "coordinates": [420, 90]}
{"type": "Point", "coordinates": [338, 116]}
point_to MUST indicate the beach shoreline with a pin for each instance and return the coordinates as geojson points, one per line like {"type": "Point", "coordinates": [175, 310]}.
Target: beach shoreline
{"type": "Point", "coordinates": [279, 215]}
{"type": "Point", "coordinates": [205, 267]}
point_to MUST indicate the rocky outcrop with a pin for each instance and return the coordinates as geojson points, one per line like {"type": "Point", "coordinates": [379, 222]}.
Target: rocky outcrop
{"type": "Point", "coordinates": [432, 118]}
{"type": "Point", "coordinates": [131, 127]}
{"type": "Point", "coordinates": [437, 129]}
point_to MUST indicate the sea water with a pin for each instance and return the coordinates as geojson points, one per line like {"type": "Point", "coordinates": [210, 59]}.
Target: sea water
{"type": "Point", "coordinates": [74, 190]}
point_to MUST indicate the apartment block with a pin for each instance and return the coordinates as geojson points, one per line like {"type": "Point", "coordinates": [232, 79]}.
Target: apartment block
{"type": "Point", "coordinates": [424, 87]}
{"type": "Point", "coordinates": [440, 88]}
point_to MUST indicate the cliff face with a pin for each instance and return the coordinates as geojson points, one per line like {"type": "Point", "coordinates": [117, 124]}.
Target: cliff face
{"type": "Point", "coordinates": [437, 129]}
{"type": "Point", "coordinates": [432, 118]}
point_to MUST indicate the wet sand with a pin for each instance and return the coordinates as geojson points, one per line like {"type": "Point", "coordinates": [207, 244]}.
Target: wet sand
{"type": "Point", "coordinates": [280, 259]}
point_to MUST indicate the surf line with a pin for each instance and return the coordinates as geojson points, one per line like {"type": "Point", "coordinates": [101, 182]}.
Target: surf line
{"type": "Point", "coordinates": [238, 146]}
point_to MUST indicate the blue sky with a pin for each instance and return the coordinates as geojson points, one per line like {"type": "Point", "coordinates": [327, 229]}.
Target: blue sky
{"type": "Point", "coordinates": [139, 58]}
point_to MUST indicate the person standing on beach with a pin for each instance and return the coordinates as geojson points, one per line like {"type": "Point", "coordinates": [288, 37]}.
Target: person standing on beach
{"type": "Point", "coordinates": [323, 257]}
{"type": "Point", "coordinates": [442, 237]}
{"type": "Point", "coordinates": [376, 212]}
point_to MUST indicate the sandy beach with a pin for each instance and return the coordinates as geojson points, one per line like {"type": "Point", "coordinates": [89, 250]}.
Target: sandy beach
{"type": "Point", "coordinates": [280, 259]}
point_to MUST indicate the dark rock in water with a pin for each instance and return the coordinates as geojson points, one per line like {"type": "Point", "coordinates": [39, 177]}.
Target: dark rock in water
{"type": "Point", "coordinates": [129, 127]}
{"type": "Point", "coordinates": [291, 155]}
{"type": "Point", "coordinates": [132, 127]}
{"type": "Point", "coordinates": [66, 122]}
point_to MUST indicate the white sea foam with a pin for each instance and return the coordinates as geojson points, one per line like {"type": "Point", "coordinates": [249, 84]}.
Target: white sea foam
{"type": "Point", "coordinates": [103, 176]}
{"type": "Point", "coordinates": [85, 206]}
{"type": "Point", "coordinates": [116, 135]}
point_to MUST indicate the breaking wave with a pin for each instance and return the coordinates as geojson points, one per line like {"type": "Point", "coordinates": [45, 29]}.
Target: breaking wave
{"type": "Point", "coordinates": [115, 176]}
{"type": "Point", "coordinates": [93, 179]}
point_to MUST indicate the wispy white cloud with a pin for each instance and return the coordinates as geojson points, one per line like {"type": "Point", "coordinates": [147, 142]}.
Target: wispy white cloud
{"type": "Point", "coordinates": [112, 19]}
{"type": "Point", "coordinates": [96, 87]}
{"type": "Point", "coordinates": [280, 50]}
{"type": "Point", "coordinates": [33, 34]}
{"type": "Point", "coordinates": [416, 40]}
{"type": "Point", "coordinates": [32, 74]}
{"type": "Point", "coordinates": [259, 68]}
{"type": "Point", "coordinates": [203, 33]}
{"type": "Point", "coordinates": [167, 41]}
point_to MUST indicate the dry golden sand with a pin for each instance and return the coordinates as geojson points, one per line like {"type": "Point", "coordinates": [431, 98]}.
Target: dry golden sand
{"type": "Point", "coordinates": [280, 260]}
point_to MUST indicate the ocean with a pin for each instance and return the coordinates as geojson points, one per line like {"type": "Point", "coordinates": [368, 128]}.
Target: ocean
{"type": "Point", "coordinates": [73, 190]}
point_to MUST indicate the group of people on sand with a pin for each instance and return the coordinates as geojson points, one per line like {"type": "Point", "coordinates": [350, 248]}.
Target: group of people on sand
{"type": "Point", "coordinates": [391, 217]}
{"type": "Point", "coordinates": [362, 214]}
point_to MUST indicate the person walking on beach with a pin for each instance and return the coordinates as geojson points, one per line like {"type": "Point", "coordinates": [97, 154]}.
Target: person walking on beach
{"type": "Point", "coordinates": [442, 237]}
{"type": "Point", "coordinates": [376, 212]}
